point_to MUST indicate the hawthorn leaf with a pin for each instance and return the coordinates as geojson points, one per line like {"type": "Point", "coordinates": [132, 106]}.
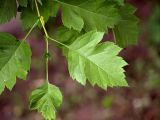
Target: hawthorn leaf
{"type": "Point", "coordinates": [65, 35]}
{"type": "Point", "coordinates": [15, 60]}
{"type": "Point", "coordinates": [46, 99]}
{"type": "Point", "coordinates": [97, 62]}
{"type": "Point", "coordinates": [89, 14]}
{"type": "Point", "coordinates": [8, 10]}
{"type": "Point", "coordinates": [126, 32]}
{"type": "Point", "coordinates": [29, 16]}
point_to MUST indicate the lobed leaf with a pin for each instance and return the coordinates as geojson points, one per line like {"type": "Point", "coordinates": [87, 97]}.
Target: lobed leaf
{"type": "Point", "coordinates": [15, 60]}
{"type": "Point", "coordinates": [65, 35]}
{"type": "Point", "coordinates": [46, 99]}
{"type": "Point", "coordinates": [8, 10]}
{"type": "Point", "coordinates": [126, 32]}
{"type": "Point", "coordinates": [89, 14]}
{"type": "Point", "coordinates": [29, 16]}
{"type": "Point", "coordinates": [97, 62]}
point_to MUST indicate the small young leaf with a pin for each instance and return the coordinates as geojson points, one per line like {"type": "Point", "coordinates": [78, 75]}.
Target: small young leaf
{"type": "Point", "coordinates": [126, 32]}
{"type": "Point", "coordinates": [15, 60]}
{"type": "Point", "coordinates": [89, 14]}
{"type": "Point", "coordinates": [98, 63]}
{"type": "Point", "coordinates": [8, 10]}
{"type": "Point", "coordinates": [46, 99]}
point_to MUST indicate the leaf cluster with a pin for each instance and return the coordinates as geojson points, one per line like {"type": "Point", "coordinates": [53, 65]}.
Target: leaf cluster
{"type": "Point", "coordinates": [85, 22]}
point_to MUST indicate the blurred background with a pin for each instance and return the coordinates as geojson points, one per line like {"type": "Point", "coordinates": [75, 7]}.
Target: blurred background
{"type": "Point", "coordinates": [141, 101]}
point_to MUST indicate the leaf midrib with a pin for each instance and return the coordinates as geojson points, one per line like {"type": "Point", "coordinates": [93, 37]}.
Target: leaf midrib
{"type": "Point", "coordinates": [47, 95]}
{"type": "Point", "coordinates": [100, 15]}
{"type": "Point", "coordinates": [90, 61]}
{"type": "Point", "coordinates": [11, 56]}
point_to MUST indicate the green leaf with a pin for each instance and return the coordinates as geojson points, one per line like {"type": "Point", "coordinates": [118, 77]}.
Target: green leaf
{"type": "Point", "coordinates": [8, 10]}
{"type": "Point", "coordinates": [15, 60]}
{"type": "Point", "coordinates": [126, 32]}
{"type": "Point", "coordinates": [23, 3]}
{"type": "Point", "coordinates": [89, 14]}
{"type": "Point", "coordinates": [97, 62]}
{"type": "Point", "coordinates": [65, 35]}
{"type": "Point", "coordinates": [46, 99]}
{"type": "Point", "coordinates": [119, 2]}
{"type": "Point", "coordinates": [29, 16]}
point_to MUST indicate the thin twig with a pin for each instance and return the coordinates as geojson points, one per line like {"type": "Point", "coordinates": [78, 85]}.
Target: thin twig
{"type": "Point", "coordinates": [58, 42]}
{"type": "Point", "coordinates": [46, 39]}
{"type": "Point", "coordinates": [29, 32]}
